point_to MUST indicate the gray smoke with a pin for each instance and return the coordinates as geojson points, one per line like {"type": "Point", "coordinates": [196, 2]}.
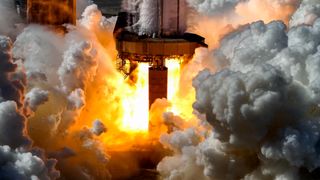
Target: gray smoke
{"type": "Point", "coordinates": [214, 7]}
{"type": "Point", "coordinates": [307, 13]}
{"type": "Point", "coordinates": [59, 68]}
{"type": "Point", "coordinates": [262, 103]}
{"type": "Point", "coordinates": [98, 128]}
{"type": "Point", "coordinates": [12, 126]}
{"type": "Point", "coordinates": [19, 163]}
{"type": "Point", "coordinates": [76, 99]}
{"type": "Point", "coordinates": [261, 98]}
{"type": "Point", "coordinates": [9, 89]}
{"type": "Point", "coordinates": [36, 97]}
{"type": "Point", "coordinates": [81, 6]}
{"type": "Point", "coordinates": [16, 164]}
{"type": "Point", "coordinates": [78, 66]}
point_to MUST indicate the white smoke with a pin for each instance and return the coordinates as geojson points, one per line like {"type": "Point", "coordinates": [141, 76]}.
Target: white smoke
{"type": "Point", "coordinates": [23, 165]}
{"type": "Point", "coordinates": [41, 51]}
{"type": "Point", "coordinates": [81, 6]}
{"type": "Point", "coordinates": [215, 26]}
{"type": "Point", "coordinates": [19, 163]}
{"type": "Point", "coordinates": [36, 97]}
{"type": "Point", "coordinates": [257, 43]}
{"type": "Point", "coordinates": [9, 18]}
{"type": "Point", "coordinates": [232, 7]}
{"type": "Point", "coordinates": [307, 13]}
{"type": "Point", "coordinates": [182, 166]}
{"type": "Point", "coordinates": [214, 7]}
{"type": "Point", "coordinates": [76, 99]}
{"type": "Point", "coordinates": [78, 66]}
{"type": "Point", "coordinates": [61, 66]}
{"type": "Point", "coordinates": [262, 102]}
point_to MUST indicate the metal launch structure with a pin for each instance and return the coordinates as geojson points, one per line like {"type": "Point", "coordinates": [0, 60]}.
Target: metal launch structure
{"type": "Point", "coordinates": [47, 12]}
{"type": "Point", "coordinates": [167, 40]}
{"type": "Point", "coordinates": [136, 42]}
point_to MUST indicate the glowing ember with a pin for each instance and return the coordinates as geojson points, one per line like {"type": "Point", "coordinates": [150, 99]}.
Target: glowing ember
{"type": "Point", "coordinates": [136, 103]}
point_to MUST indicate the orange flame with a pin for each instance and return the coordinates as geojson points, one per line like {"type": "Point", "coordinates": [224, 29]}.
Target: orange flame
{"type": "Point", "coordinates": [136, 103]}
{"type": "Point", "coordinates": [173, 66]}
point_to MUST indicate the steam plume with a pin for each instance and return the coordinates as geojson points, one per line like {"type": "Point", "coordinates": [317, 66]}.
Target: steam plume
{"type": "Point", "coordinates": [262, 103]}
{"type": "Point", "coordinates": [214, 7]}
{"type": "Point", "coordinates": [257, 106]}
{"type": "Point", "coordinates": [59, 69]}
{"type": "Point", "coordinates": [19, 163]}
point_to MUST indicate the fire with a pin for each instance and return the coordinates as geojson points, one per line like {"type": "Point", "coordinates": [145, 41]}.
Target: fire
{"type": "Point", "coordinates": [181, 94]}
{"type": "Point", "coordinates": [122, 104]}
{"type": "Point", "coordinates": [174, 66]}
{"type": "Point", "coordinates": [136, 103]}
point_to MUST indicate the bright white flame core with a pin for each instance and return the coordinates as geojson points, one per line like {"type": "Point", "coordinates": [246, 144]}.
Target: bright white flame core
{"type": "Point", "coordinates": [174, 67]}
{"type": "Point", "coordinates": [136, 104]}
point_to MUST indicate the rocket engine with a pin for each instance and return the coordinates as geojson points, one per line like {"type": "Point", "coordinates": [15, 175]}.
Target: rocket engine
{"type": "Point", "coordinates": [152, 35]}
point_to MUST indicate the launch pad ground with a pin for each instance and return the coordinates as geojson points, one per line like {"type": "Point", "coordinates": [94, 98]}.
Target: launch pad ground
{"type": "Point", "coordinates": [136, 163]}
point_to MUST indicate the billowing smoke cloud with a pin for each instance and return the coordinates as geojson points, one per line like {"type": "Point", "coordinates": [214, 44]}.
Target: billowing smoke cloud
{"type": "Point", "coordinates": [215, 24]}
{"type": "Point", "coordinates": [257, 105]}
{"type": "Point", "coordinates": [59, 68]}
{"type": "Point", "coordinates": [76, 99]}
{"type": "Point", "coordinates": [240, 51]}
{"type": "Point", "coordinates": [262, 103]}
{"type": "Point", "coordinates": [214, 7]}
{"type": "Point", "coordinates": [233, 7]}
{"type": "Point", "coordinates": [98, 128]}
{"type": "Point", "coordinates": [23, 165]}
{"type": "Point", "coordinates": [12, 126]}
{"type": "Point", "coordinates": [19, 163]}
{"type": "Point", "coordinates": [36, 97]}
{"type": "Point", "coordinates": [78, 66]}
{"type": "Point", "coordinates": [307, 13]}
{"type": "Point", "coordinates": [11, 95]}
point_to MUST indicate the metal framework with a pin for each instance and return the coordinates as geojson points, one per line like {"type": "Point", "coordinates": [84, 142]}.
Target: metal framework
{"type": "Point", "coordinates": [51, 12]}
{"type": "Point", "coordinates": [169, 42]}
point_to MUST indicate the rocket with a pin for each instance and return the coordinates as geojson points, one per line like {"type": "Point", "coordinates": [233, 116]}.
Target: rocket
{"type": "Point", "coordinates": [151, 33]}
